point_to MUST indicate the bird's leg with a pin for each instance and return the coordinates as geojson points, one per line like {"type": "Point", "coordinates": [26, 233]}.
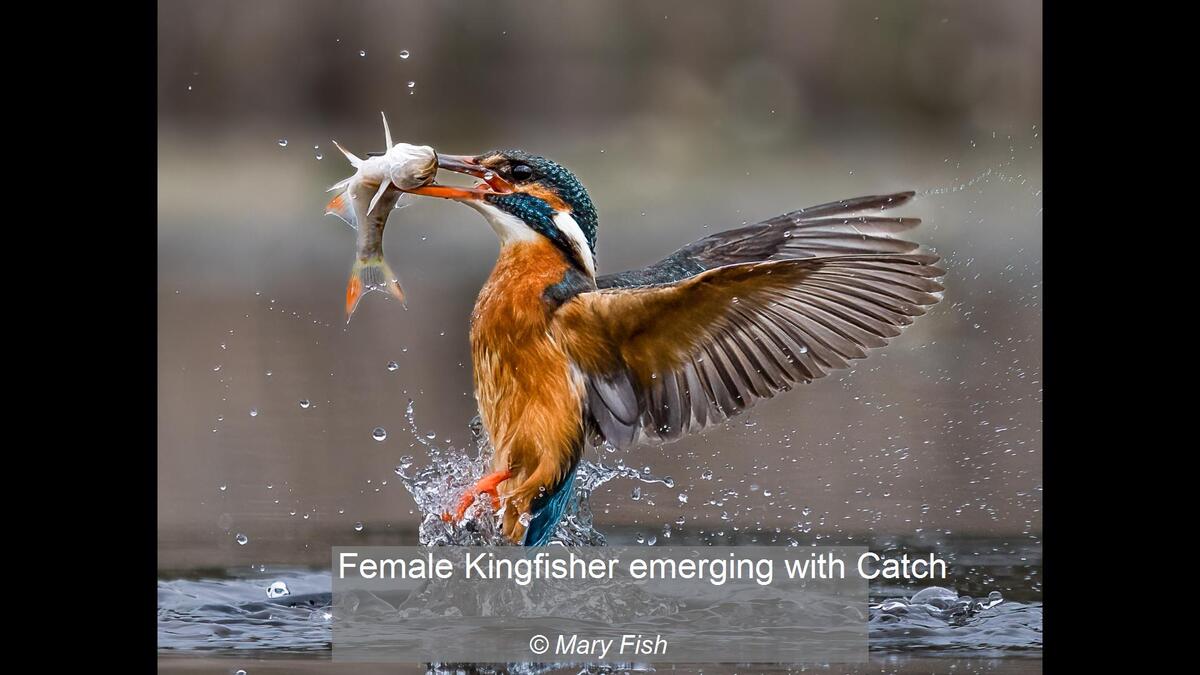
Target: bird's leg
{"type": "Point", "coordinates": [486, 486]}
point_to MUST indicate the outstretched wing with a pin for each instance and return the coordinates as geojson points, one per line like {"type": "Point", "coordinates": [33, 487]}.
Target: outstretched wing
{"type": "Point", "coordinates": [845, 227]}
{"type": "Point", "coordinates": [661, 361]}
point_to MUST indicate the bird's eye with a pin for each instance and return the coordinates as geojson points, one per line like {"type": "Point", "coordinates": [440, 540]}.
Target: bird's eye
{"type": "Point", "coordinates": [522, 172]}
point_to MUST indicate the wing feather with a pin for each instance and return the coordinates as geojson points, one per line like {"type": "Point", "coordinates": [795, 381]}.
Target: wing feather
{"type": "Point", "coordinates": [664, 360]}
{"type": "Point", "coordinates": [836, 228]}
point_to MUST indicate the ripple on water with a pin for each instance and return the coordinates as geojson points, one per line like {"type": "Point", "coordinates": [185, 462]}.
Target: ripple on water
{"type": "Point", "coordinates": [238, 614]}
{"type": "Point", "coordinates": [289, 610]}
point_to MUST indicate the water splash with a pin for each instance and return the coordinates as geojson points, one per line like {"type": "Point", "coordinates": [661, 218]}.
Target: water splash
{"type": "Point", "coordinates": [935, 601]}
{"type": "Point", "coordinates": [939, 620]}
{"type": "Point", "coordinates": [437, 487]}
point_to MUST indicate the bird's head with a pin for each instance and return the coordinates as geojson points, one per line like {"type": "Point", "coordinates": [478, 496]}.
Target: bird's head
{"type": "Point", "coordinates": [525, 196]}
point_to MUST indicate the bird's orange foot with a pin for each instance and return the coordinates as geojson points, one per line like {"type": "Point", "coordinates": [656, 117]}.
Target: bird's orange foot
{"type": "Point", "coordinates": [486, 486]}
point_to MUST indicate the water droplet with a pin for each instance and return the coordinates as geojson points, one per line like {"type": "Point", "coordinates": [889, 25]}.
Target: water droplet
{"type": "Point", "coordinates": [254, 412]}
{"type": "Point", "coordinates": [683, 497]}
{"type": "Point", "coordinates": [411, 84]}
{"type": "Point", "coordinates": [405, 462]}
{"type": "Point", "coordinates": [362, 52]}
{"type": "Point", "coordinates": [392, 366]}
{"type": "Point", "coordinates": [282, 142]}
{"type": "Point", "coordinates": [241, 539]}
{"type": "Point", "coordinates": [358, 526]}
{"type": "Point", "coordinates": [379, 434]}
{"type": "Point", "coordinates": [652, 540]}
{"type": "Point", "coordinates": [404, 54]}
{"type": "Point", "coordinates": [707, 475]}
{"type": "Point", "coordinates": [239, 671]}
{"type": "Point", "coordinates": [223, 488]}
{"type": "Point", "coordinates": [278, 590]}
{"type": "Point", "coordinates": [305, 403]}
{"type": "Point", "coordinates": [636, 494]}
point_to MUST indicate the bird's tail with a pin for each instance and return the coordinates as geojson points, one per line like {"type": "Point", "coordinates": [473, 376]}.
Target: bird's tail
{"type": "Point", "coordinates": [547, 510]}
{"type": "Point", "coordinates": [372, 274]}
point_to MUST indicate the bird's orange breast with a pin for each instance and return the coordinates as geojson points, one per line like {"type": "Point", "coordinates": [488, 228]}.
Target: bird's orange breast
{"type": "Point", "coordinates": [530, 397]}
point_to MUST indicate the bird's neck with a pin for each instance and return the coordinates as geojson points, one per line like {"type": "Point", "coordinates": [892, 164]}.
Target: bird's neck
{"type": "Point", "coordinates": [530, 280]}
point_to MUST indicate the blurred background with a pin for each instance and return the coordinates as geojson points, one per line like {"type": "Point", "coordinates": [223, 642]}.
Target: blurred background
{"type": "Point", "coordinates": [682, 119]}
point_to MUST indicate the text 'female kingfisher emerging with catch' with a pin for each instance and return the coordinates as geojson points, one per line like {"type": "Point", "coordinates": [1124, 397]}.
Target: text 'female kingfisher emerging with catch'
{"type": "Point", "coordinates": [563, 357]}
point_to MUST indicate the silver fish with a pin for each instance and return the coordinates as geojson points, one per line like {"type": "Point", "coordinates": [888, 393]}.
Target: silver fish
{"type": "Point", "coordinates": [366, 199]}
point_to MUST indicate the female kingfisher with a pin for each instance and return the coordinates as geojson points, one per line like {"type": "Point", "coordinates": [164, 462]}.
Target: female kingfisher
{"type": "Point", "coordinates": [563, 357]}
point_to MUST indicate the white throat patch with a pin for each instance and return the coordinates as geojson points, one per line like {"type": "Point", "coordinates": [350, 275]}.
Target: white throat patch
{"type": "Point", "coordinates": [511, 229]}
{"type": "Point", "coordinates": [507, 226]}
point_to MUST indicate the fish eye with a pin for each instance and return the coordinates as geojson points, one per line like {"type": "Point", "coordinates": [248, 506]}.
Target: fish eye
{"type": "Point", "coordinates": [521, 172]}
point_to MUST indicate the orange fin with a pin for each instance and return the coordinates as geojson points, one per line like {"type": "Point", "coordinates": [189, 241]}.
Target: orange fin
{"type": "Point", "coordinates": [340, 206]}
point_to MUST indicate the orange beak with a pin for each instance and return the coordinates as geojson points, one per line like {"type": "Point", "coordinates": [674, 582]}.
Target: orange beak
{"type": "Point", "coordinates": [492, 183]}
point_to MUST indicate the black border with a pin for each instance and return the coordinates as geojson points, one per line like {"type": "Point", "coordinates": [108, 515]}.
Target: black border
{"type": "Point", "coordinates": [86, 294]}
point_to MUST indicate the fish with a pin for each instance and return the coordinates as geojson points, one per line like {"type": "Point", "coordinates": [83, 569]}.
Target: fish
{"type": "Point", "coordinates": [366, 199]}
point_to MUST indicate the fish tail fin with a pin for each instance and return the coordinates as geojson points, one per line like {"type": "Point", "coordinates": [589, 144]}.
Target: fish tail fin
{"type": "Point", "coordinates": [372, 274]}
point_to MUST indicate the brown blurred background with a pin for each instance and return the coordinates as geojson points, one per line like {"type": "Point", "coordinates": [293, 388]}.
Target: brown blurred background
{"type": "Point", "coordinates": [681, 118]}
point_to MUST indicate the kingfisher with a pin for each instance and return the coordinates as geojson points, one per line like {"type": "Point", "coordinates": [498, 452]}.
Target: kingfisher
{"type": "Point", "coordinates": [564, 357]}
